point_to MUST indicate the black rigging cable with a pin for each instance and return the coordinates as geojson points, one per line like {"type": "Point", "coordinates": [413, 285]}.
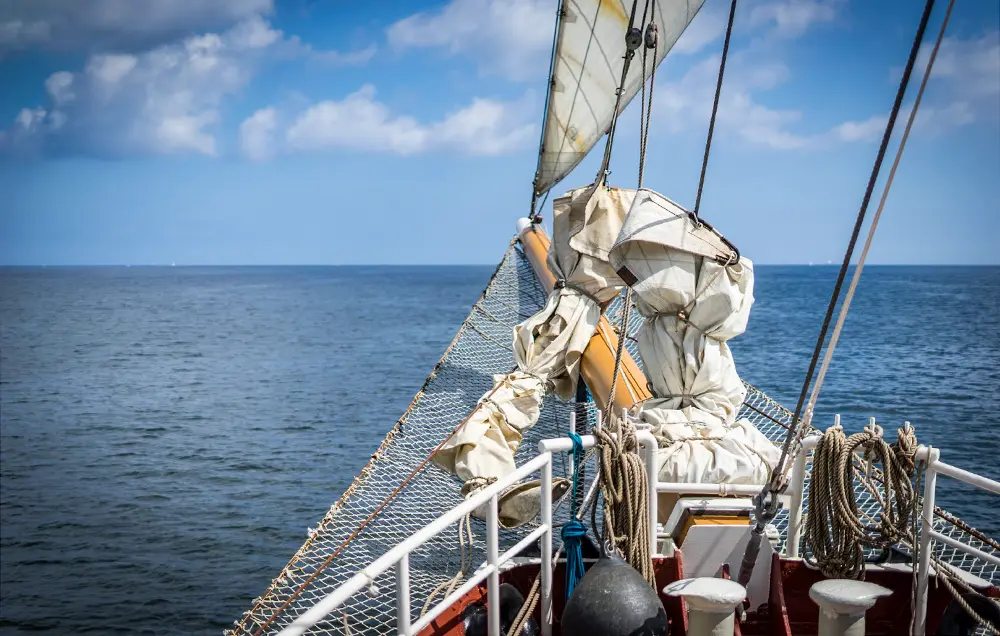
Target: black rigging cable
{"type": "Point", "coordinates": [901, 91]}
{"type": "Point", "coordinates": [715, 110]}
{"type": "Point", "coordinates": [767, 509]}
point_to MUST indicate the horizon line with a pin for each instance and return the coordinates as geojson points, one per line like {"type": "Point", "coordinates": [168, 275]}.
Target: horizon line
{"type": "Point", "coordinates": [202, 265]}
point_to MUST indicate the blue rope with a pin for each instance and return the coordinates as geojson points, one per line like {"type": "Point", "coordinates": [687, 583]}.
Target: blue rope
{"type": "Point", "coordinates": [572, 533]}
{"type": "Point", "coordinates": [573, 530]}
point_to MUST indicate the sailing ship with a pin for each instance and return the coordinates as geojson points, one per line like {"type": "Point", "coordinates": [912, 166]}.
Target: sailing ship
{"type": "Point", "coordinates": [585, 459]}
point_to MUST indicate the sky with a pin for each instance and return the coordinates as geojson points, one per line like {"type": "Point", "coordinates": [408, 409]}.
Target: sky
{"type": "Point", "coordinates": [406, 132]}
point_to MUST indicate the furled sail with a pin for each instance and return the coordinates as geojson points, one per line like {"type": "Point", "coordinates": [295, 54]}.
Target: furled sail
{"type": "Point", "coordinates": [586, 72]}
{"type": "Point", "coordinates": [547, 346]}
{"type": "Point", "coordinates": [695, 294]}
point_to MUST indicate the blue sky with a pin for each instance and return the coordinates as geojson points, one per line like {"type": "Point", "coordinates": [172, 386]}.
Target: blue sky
{"type": "Point", "coordinates": [334, 132]}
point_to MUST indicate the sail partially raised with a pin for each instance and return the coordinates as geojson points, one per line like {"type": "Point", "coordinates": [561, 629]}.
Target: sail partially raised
{"type": "Point", "coordinates": [586, 69]}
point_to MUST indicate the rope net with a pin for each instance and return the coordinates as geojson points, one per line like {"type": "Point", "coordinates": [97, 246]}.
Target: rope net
{"type": "Point", "coordinates": [398, 492]}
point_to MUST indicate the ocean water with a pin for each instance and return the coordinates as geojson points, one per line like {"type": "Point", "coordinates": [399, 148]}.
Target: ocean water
{"type": "Point", "coordinates": [168, 434]}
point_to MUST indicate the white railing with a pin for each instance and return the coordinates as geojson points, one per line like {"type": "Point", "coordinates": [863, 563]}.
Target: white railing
{"type": "Point", "coordinates": [934, 467]}
{"type": "Point", "coordinates": [399, 556]}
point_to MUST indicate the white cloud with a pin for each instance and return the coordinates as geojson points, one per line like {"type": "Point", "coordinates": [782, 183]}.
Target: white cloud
{"type": "Point", "coordinates": [964, 88]}
{"type": "Point", "coordinates": [59, 86]}
{"type": "Point", "coordinates": [257, 134]}
{"type": "Point", "coordinates": [485, 127]}
{"type": "Point", "coordinates": [510, 38]}
{"type": "Point", "coordinates": [688, 102]}
{"type": "Point", "coordinates": [706, 27]}
{"type": "Point", "coordinates": [865, 130]}
{"type": "Point", "coordinates": [930, 120]}
{"type": "Point", "coordinates": [20, 34]}
{"type": "Point", "coordinates": [971, 67]}
{"type": "Point", "coordinates": [164, 100]}
{"type": "Point", "coordinates": [792, 18]}
{"type": "Point", "coordinates": [92, 25]}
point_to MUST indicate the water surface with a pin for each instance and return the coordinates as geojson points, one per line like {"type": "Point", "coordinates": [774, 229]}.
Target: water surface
{"type": "Point", "coordinates": [168, 434]}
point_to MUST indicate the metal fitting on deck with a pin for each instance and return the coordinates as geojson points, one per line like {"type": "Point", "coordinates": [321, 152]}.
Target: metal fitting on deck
{"type": "Point", "coordinates": [843, 603]}
{"type": "Point", "coordinates": [711, 604]}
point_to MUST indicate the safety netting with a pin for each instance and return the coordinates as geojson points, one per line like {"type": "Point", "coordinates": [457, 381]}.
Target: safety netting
{"type": "Point", "coordinates": [400, 490]}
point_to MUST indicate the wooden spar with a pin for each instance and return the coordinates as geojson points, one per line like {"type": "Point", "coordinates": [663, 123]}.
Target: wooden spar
{"type": "Point", "coordinates": [598, 362]}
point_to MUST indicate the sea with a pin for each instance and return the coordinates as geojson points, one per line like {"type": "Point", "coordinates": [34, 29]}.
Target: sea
{"type": "Point", "coordinates": [168, 434]}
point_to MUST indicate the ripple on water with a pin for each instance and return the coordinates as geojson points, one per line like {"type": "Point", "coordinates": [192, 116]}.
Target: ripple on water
{"type": "Point", "coordinates": [169, 434]}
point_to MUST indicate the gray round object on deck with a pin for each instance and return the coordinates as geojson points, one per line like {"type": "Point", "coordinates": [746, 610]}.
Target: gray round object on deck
{"type": "Point", "coordinates": [613, 599]}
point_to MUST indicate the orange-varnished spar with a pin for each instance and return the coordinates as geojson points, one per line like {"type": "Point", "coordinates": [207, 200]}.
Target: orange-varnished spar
{"type": "Point", "coordinates": [598, 362]}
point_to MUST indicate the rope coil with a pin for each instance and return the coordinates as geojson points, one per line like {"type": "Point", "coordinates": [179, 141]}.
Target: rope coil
{"type": "Point", "coordinates": [834, 528]}
{"type": "Point", "coordinates": [624, 488]}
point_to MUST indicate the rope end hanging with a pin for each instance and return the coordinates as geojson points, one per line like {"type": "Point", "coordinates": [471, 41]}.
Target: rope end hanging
{"type": "Point", "coordinates": [573, 530]}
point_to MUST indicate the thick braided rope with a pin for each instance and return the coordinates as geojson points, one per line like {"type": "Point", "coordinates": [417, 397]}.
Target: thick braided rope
{"type": "Point", "coordinates": [624, 486]}
{"type": "Point", "coordinates": [834, 528]}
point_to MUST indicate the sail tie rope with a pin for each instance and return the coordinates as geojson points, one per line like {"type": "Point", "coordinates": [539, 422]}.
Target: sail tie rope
{"type": "Point", "coordinates": [767, 501]}
{"type": "Point", "coordinates": [465, 538]}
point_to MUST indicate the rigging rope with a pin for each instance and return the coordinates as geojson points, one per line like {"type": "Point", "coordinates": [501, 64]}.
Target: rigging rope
{"type": "Point", "coordinates": [767, 501]}
{"type": "Point", "coordinates": [632, 42]}
{"type": "Point", "coordinates": [715, 110]}
{"type": "Point", "coordinates": [890, 125]}
{"type": "Point", "coordinates": [845, 307]}
{"type": "Point", "coordinates": [573, 530]}
{"type": "Point", "coordinates": [624, 487]}
{"type": "Point", "coordinates": [465, 537]}
{"type": "Point", "coordinates": [646, 109]}
{"type": "Point", "coordinates": [834, 529]}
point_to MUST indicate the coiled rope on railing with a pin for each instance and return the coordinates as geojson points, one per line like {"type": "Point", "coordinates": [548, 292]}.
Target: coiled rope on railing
{"type": "Point", "coordinates": [624, 488]}
{"type": "Point", "coordinates": [835, 530]}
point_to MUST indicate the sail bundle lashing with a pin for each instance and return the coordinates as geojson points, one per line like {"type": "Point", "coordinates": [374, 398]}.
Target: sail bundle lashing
{"type": "Point", "coordinates": [548, 348]}
{"type": "Point", "coordinates": [695, 292]}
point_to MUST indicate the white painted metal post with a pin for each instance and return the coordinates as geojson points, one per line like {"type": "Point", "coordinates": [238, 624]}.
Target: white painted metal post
{"type": "Point", "coordinates": [843, 603]}
{"type": "Point", "coordinates": [649, 445]}
{"type": "Point", "coordinates": [572, 429]}
{"type": "Point", "coordinates": [546, 564]}
{"type": "Point", "coordinates": [798, 479]}
{"type": "Point", "coordinates": [493, 581]}
{"type": "Point", "coordinates": [926, 525]}
{"type": "Point", "coordinates": [403, 596]}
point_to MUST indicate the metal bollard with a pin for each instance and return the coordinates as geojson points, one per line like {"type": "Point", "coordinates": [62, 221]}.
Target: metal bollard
{"type": "Point", "coordinates": [711, 604]}
{"type": "Point", "coordinates": [842, 605]}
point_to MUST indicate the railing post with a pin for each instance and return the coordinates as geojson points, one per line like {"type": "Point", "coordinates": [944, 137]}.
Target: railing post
{"type": "Point", "coordinates": [798, 480]}
{"type": "Point", "coordinates": [926, 525]}
{"type": "Point", "coordinates": [492, 558]}
{"type": "Point", "coordinates": [572, 429]}
{"type": "Point", "coordinates": [650, 447]}
{"type": "Point", "coordinates": [403, 596]}
{"type": "Point", "coordinates": [546, 564]}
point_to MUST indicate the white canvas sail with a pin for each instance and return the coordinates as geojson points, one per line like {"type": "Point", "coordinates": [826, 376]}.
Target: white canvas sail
{"type": "Point", "coordinates": [586, 69]}
{"type": "Point", "coordinates": [693, 304]}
